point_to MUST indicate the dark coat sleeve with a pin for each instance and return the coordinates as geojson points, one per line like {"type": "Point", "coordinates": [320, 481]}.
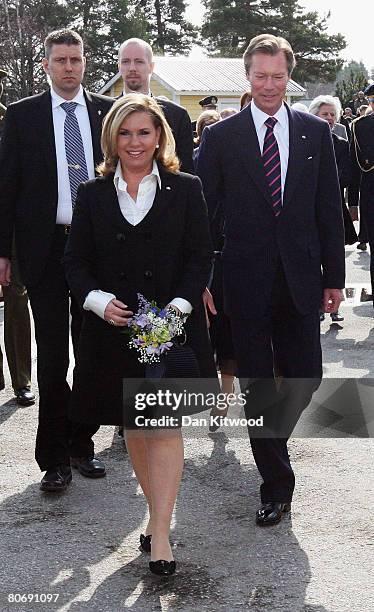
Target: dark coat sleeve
{"type": "Point", "coordinates": [341, 148]}
{"type": "Point", "coordinates": [184, 143]}
{"type": "Point", "coordinates": [80, 253]}
{"type": "Point", "coordinates": [197, 247]}
{"type": "Point", "coordinates": [329, 216]}
{"type": "Point", "coordinates": [208, 168]}
{"type": "Point", "coordinates": [9, 181]}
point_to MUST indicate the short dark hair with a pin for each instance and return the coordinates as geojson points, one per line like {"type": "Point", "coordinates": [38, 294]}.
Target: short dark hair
{"type": "Point", "coordinates": [270, 45]}
{"type": "Point", "coordinates": [61, 37]}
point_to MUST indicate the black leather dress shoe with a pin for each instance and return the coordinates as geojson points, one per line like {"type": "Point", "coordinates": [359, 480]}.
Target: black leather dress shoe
{"type": "Point", "coordinates": [145, 542]}
{"type": "Point", "coordinates": [88, 466]}
{"type": "Point", "coordinates": [56, 479]}
{"type": "Point", "coordinates": [336, 317]}
{"type": "Point", "coordinates": [25, 397]}
{"type": "Point", "coordinates": [271, 513]}
{"type": "Point", "coordinates": [162, 568]}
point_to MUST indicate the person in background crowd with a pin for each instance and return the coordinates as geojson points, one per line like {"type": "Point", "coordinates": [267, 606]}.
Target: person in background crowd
{"type": "Point", "coordinates": [17, 332]}
{"type": "Point", "coordinates": [326, 107]}
{"type": "Point", "coordinates": [17, 337]}
{"type": "Point", "coordinates": [361, 111]}
{"type": "Point", "coordinates": [348, 115]}
{"type": "Point", "coordinates": [207, 117]}
{"type": "Point", "coordinates": [362, 158]}
{"type": "Point", "coordinates": [272, 171]}
{"type": "Point", "coordinates": [360, 101]}
{"type": "Point", "coordinates": [51, 142]}
{"type": "Point", "coordinates": [245, 99]}
{"type": "Point", "coordinates": [135, 63]}
{"type": "Point", "coordinates": [228, 112]}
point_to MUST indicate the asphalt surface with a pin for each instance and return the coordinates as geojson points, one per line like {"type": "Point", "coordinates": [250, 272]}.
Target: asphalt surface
{"type": "Point", "coordinates": [82, 546]}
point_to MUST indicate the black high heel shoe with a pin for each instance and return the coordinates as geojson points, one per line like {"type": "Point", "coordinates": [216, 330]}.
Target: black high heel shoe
{"type": "Point", "coordinates": [162, 568]}
{"type": "Point", "coordinates": [145, 542]}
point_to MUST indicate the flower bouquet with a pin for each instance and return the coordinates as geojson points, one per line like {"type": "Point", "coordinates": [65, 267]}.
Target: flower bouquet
{"type": "Point", "coordinates": [152, 330]}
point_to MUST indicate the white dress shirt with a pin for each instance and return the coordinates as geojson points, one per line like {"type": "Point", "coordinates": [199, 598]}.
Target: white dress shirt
{"type": "Point", "coordinates": [64, 207]}
{"type": "Point", "coordinates": [134, 212]}
{"type": "Point", "coordinates": [281, 133]}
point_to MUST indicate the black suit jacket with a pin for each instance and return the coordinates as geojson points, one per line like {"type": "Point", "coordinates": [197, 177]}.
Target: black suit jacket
{"type": "Point", "coordinates": [180, 123]}
{"type": "Point", "coordinates": [167, 255]}
{"type": "Point", "coordinates": [307, 236]}
{"type": "Point", "coordinates": [28, 179]}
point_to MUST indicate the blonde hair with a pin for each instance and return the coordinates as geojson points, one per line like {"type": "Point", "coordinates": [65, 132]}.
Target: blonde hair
{"type": "Point", "coordinates": [270, 45]}
{"type": "Point", "coordinates": [207, 117]}
{"type": "Point", "coordinates": [123, 108]}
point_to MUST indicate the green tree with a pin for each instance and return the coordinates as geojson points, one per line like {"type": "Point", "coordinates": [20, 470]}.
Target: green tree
{"type": "Point", "coordinates": [104, 25]}
{"type": "Point", "coordinates": [168, 31]}
{"type": "Point", "coordinates": [351, 79]}
{"type": "Point", "coordinates": [229, 26]}
{"type": "Point", "coordinates": [24, 24]}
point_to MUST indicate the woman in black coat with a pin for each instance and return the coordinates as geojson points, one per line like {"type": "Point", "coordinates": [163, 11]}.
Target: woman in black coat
{"type": "Point", "coordinates": [141, 227]}
{"type": "Point", "coordinates": [327, 108]}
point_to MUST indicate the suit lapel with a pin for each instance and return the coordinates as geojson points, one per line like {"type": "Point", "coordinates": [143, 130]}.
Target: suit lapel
{"type": "Point", "coordinates": [95, 115]}
{"type": "Point", "coordinates": [163, 199]}
{"type": "Point", "coordinates": [46, 136]}
{"type": "Point", "coordinates": [297, 153]}
{"type": "Point", "coordinates": [251, 155]}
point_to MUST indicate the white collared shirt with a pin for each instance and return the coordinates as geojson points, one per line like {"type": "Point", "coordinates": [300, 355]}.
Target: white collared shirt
{"type": "Point", "coordinates": [281, 133]}
{"type": "Point", "coordinates": [64, 207]}
{"type": "Point", "coordinates": [135, 211]}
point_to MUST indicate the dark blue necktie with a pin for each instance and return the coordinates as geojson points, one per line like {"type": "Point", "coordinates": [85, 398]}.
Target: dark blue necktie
{"type": "Point", "coordinates": [75, 156]}
{"type": "Point", "coordinates": [272, 165]}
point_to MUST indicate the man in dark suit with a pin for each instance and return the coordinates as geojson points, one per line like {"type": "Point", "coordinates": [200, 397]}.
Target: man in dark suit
{"type": "Point", "coordinates": [273, 171]}
{"type": "Point", "coordinates": [51, 142]}
{"type": "Point", "coordinates": [135, 63]}
{"type": "Point", "coordinates": [362, 185]}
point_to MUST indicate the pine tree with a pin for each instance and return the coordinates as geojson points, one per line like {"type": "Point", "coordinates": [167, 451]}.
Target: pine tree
{"type": "Point", "coordinates": [228, 28]}
{"type": "Point", "coordinates": [168, 31]}
{"type": "Point", "coordinates": [24, 24]}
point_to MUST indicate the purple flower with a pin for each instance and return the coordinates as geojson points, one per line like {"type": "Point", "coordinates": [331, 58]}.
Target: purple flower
{"type": "Point", "coordinates": [141, 321]}
{"type": "Point", "coordinates": [165, 346]}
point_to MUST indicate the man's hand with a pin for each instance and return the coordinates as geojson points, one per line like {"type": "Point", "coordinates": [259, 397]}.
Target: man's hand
{"type": "Point", "coordinates": [5, 271]}
{"type": "Point", "coordinates": [331, 300]}
{"type": "Point", "coordinates": [116, 314]}
{"type": "Point", "coordinates": [208, 304]}
{"type": "Point", "coordinates": [353, 211]}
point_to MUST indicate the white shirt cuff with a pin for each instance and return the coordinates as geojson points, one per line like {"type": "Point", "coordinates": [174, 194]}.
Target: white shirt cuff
{"type": "Point", "coordinates": [97, 301]}
{"type": "Point", "coordinates": [183, 305]}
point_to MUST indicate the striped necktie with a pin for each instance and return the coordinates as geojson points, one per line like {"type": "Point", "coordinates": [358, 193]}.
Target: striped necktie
{"type": "Point", "coordinates": [75, 156]}
{"type": "Point", "coordinates": [272, 165]}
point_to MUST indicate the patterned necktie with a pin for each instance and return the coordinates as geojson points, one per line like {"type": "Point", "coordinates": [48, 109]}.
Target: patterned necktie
{"type": "Point", "coordinates": [272, 165]}
{"type": "Point", "coordinates": [75, 156]}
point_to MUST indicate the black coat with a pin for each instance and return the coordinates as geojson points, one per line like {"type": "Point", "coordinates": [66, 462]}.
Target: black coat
{"type": "Point", "coordinates": [308, 234]}
{"type": "Point", "coordinates": [341, 149]}
{"type": "Point", "coordinates": [28, 179]}
{"type": "Point", "coordinates": [167, 255]}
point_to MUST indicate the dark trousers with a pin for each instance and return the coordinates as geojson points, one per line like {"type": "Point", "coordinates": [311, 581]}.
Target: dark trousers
{"type": "Point", "coordinates": [57, 439]}
{"type": "Point", "coordinates": [17, 333]}
{"type": "Point", "coordinates": [367, 213]}
{"type": "Point", "coordinates": [283, 341]}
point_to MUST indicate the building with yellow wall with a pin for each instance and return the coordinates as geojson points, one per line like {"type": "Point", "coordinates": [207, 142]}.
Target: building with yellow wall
{"type": "Point", "coordinates": [186, 81]}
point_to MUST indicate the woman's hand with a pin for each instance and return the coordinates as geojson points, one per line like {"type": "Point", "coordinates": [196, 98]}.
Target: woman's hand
{"type": "Point", "coordinates": [116, 314]}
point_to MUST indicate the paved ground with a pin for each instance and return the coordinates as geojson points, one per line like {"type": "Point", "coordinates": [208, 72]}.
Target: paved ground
{"type": "Point", "coordinates": [82, 546]}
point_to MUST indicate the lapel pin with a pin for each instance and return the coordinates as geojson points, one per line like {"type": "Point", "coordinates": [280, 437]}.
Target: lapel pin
{"type": "Point", "coordinates": [303, 136]}
{"type": "Point", "coordinates": [99, 112]}
{"type": "Point", "coordinates": [311, 157]}
{"type": "Point", "coordinates": [168, 188]}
